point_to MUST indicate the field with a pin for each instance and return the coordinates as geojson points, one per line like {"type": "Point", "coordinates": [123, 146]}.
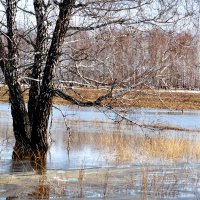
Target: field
{"type": "Point", "coordinates": [166, 99]}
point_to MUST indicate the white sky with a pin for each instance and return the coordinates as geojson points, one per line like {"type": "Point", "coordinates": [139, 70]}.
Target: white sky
{"type": "Point", "coordinates": [29, 20]}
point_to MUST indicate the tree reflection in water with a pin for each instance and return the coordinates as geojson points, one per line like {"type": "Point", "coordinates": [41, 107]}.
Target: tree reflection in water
{"type": "Point", "coordinates": [41, 189]}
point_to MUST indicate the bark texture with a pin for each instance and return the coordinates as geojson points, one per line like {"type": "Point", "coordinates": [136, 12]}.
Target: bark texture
{"type": "Point", "coordinates": [30, 126]}
{"type": "Point", "coordinates": [40, 47]}
{"type": "Point", "coordinates": [9, 67]}
{"type": "Point", "coordinates": [42, 112]}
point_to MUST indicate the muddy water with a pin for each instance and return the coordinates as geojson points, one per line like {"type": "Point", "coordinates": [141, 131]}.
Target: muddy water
{"type": "Point", "coordinates": [91, 156]}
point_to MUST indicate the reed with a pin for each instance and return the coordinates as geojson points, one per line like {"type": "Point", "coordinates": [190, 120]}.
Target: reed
{"type": "Point", "coordinates": [122, 148]}
{"type": "Point", "coordinates": [149, 181]}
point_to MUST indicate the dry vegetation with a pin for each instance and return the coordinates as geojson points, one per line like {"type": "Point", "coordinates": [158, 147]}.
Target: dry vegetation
{"type": "Point", "coordinates": [161, 181]}
{"type": "Point", "coordinates": [143, 98]}
{"type": "Point", "coordinates": [147, 99]}
{"type": "Point", "coordinates": [120, 148]}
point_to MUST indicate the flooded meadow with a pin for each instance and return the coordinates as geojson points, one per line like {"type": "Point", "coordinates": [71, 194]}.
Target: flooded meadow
{"type": "Point", "coordinates": [94, 156]}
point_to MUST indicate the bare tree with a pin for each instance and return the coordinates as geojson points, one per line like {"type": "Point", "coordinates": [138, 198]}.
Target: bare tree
{"type": "Point", "coordinates": [43, 34]}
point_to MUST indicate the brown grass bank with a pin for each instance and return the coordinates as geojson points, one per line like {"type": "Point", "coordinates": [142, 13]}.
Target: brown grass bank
{"type": "Point", "coordinates": [167, 99]}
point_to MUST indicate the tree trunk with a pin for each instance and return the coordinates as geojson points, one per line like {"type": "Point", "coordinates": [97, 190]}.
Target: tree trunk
{"type": "Point", "coordinates": [30, 127]}
{"type": "Point", "coordinates": [44, 104]}
{"type": "Point", "coordinates": [40, 57]}
{"type": "Point", "coordinates": [21, 126]}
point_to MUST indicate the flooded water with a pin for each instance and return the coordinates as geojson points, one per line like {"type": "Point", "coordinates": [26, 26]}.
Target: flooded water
{"type": "Point", "coordinates": [92, 156]}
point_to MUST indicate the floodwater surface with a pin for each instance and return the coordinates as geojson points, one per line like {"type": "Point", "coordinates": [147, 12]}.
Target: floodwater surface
{"type": "Point", "coordinates": [93, 156]}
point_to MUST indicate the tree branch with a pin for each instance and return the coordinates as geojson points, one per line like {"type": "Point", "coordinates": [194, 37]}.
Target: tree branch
{"type": "Point", "coordinates": [97, 102]}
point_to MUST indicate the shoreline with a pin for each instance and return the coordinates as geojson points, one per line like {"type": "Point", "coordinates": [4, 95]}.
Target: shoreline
{"type": "Point", "coordinates": [163, 99]}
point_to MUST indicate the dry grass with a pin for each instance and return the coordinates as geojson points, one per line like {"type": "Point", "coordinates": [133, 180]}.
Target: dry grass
{"type": "Point", "coordinates": [143, 98]}
{"type": "Point", "coordinates": [171, 100]}
{"type": "Point", "coordinates": [157, 181]}
{"type": "Point", "coordinates": [4, 94]}
{"type": "Point", "coordinates": [147, 183]}
{"type": "Point", "coordinates": [121, 148]}
{"type": "Point", "coordinates": [170, 148]}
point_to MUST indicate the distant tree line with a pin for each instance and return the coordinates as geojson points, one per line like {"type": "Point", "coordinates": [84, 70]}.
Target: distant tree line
{"type": "Point", "coordinates": [164, 59]}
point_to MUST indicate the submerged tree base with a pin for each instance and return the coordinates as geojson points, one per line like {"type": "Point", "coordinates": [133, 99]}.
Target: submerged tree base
{"type": "Point", "coordinates": [37, 158]}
